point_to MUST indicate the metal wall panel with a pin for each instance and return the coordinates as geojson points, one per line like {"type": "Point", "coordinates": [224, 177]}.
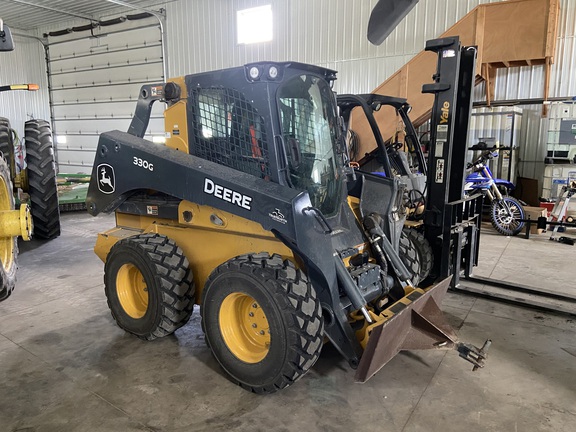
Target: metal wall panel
{"type": "Point", "coordinates": [532, 149]}
{"type": "Point", "coordinates": [24, 65]}
{"type": "Point", "coordinates": [33, 14]}
{"type": "Point", "coordinates": [528, 82]}
{"type": "Point", "coordinates": [332, 33]}
{"type": "Point", "coordinates": [563, 76]}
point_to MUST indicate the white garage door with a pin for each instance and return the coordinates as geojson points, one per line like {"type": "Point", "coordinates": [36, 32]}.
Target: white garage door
{"type": "Point", "coordinates": [95, 82]}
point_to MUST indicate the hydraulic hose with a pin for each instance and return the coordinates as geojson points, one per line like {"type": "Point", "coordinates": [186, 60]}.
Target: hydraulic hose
{"type": "Point", "coordinates": [372, 225]}
{"type": "Point", "coordinates": [351, 289]}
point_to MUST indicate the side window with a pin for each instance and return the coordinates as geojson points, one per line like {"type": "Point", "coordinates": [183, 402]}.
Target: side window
{"type": "Point", "coordinates": [310, 132]}
{"type": "Point", "coordinates": [229, 131]}
{"type": "Point", "coordinates": [213, 112]}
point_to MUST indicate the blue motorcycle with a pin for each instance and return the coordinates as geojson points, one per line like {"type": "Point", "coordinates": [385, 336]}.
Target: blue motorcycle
{"type": "Point", "coordinates": [506, 213]}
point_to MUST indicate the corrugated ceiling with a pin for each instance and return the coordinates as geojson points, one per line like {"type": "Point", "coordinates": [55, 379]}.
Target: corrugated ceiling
{"type": "Point", "coordinates": [32, 14]}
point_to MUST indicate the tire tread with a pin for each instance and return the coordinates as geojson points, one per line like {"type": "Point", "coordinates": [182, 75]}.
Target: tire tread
{"type": "Point", "coordinates": [424, 250]}
{"type": "Point", "coordinates": [289, 286]}
{"type": "Point", "coordinates": [177, 289]}
{"type": "Point", "coordinates": [8, 275]}
{"type": "Point", "coordinates": [42, 187]}
{"type": "Point", "coordinates": [409, 256]}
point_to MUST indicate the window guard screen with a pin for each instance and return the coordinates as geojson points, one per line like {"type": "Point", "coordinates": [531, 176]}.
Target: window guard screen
{"type": "Point", "coordinates": [228, 130]}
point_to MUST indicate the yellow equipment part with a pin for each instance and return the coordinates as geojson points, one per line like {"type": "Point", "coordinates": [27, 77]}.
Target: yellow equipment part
{"type": "Point", "coordinates": [21, 180]}
{"type": "Point", "coordinates": [6, 240]}
{"type": "Point", "coordinates": [132, 291]}
{"type": "Point", "coordinates": [13, 223]}
{"type": "Point", "coordinates": [175, 120]}
{"type": "Point", "coordinates": [244, 327]}
{"type": "Point", "coordinates": [207, 236]}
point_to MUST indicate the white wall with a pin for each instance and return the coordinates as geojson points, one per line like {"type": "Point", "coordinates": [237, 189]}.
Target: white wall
{"type": "Point", "coordinates": [329, 33]}
{"type": "Point", "coordinates": [332, 33]}
{"type": "Point", "coordinates": [24, 65]}
{"type": "Point", "coordinates": [201, 36]}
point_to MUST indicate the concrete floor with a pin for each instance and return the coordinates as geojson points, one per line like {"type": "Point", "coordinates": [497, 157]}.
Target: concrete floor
{"type": "Point", "coordinates": [536, 262]}
{"type": "Point", "coordinates": [65, 366]}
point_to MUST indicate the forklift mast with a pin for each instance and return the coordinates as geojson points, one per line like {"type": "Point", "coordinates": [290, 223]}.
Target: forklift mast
{"type": "Point", "coordinates": [452, 221]}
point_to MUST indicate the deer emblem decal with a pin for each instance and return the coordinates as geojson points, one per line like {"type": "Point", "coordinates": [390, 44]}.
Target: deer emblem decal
{"type": "Point", "coordinates": [106, 182]}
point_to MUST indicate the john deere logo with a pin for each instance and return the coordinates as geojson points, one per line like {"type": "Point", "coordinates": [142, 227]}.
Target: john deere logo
{"type": "Point", "coordinates": [106, 182]}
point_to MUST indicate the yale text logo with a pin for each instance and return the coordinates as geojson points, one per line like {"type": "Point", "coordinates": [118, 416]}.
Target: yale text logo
{"type": "Point", "coordinates": [445, 112]}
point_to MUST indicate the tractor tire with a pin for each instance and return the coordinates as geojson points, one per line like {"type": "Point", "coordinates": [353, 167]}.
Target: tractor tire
{"type": "Point", "coordinates": [149, 286]}
{"type": "Point", "coordinates": [41, 171]}
{"type": "Point", "coordinates": [409, 256]}
{"type": "Point", "coordinates": [7, 145]}
{"type": "Point", "coordinates": [424, 250]}
{"type": "Point", "coordinates": [8, 245]}
{"type": "Point", "coordinates": [263, 321]}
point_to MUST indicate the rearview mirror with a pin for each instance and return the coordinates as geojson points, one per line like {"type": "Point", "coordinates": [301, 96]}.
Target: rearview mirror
{"type": "Point", "coordinates": [386, 16]}
{"type": "Point", "coordinates": [6, 43]}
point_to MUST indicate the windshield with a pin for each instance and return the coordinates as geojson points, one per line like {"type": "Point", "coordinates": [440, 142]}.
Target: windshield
{"type": "Point", "coordinates": [310, 132]}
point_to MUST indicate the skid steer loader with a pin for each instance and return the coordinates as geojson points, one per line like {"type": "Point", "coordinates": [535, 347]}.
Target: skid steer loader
{"type": "Point", "coordinates": [250, 211]}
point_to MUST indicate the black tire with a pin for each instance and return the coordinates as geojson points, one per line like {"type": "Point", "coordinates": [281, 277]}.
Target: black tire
{"type": "Point", "coordinates": [149, 286]}
{"type": "Point", "coordinates": [7, 145]}
{"type": "Point", "coordinates": [8, 245]}
{"type": "Point", "coordinates": [424, 251]}
{"type": "Point", "coordinates": [41, 171]}
{"type": "Point", "coordinates": [503, 222]}
{"type": "Point", "coordinates": [409, 256]}
{"type": "Point", "coordinates": [288, 313]}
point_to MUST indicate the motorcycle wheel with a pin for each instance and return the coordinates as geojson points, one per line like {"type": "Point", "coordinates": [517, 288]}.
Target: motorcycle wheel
{"type": "Point", "coordinates": [505, 215]}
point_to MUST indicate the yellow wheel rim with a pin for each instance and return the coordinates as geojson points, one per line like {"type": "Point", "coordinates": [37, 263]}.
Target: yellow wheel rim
{"type": "Point", "coordinates": [132, 291]}
{"type": "Point", "coordinates": [244, 327]}
{"type": "Point", "coordinates": [6, 243]}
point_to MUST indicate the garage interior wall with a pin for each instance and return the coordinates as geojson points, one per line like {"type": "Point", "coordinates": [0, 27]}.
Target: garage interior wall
{"type": "Point", "coordinates": [331, 33]}
{"type": "Point", "coordinates": [24, 65]}
{"type": "Point", "coordinates": [200, 36]}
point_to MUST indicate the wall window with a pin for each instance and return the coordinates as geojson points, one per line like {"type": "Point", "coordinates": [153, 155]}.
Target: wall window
{"type": "Point", "coordinates": [254, 25]}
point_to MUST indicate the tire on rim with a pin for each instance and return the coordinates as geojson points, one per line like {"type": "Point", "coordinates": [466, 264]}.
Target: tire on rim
{"type": "Point", "coordinates": [7, 145]}
{"type": "Point", "coordinates": [424, 251]}
{"type": "Point", "coordinates": [409, 256]}
{"type": "Point", "coordinates": [149, 285]}
{"type": "Point", "coordinates": [504, 222]}
{"type": "Point", "coordinates": [41, 171]}
{"type": "Point", "coordinates": [8, 245]}
{"type": "Point", "coordinates": [262, 320]}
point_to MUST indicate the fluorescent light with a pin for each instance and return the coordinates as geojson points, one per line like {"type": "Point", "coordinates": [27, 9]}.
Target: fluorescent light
{"type": "Point", "coordinates": [254, 25]}
{"type": "Point", "coordinates": [61, 139]}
